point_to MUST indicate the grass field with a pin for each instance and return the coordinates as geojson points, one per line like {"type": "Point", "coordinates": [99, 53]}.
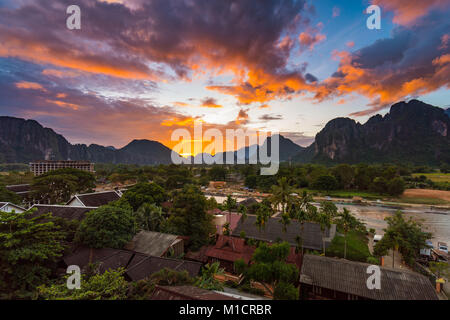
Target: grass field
{"type": "Point", "coordinates": [435, 177]}
{"type": "Point", "coordinates": [357, 248]}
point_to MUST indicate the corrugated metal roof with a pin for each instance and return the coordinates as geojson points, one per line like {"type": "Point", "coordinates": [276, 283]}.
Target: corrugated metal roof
{"type": "Point", "coordinates": [351, 277]}
{"type": "Point", "coordinates": [273, 231]}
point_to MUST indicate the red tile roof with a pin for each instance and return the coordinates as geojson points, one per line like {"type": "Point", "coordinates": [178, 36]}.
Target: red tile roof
{"type": "Point", "coordinates": [230, 249]}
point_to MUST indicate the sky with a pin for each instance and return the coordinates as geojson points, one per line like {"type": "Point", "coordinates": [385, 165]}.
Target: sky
{"type": "Point", "coordinates": [140, 69]}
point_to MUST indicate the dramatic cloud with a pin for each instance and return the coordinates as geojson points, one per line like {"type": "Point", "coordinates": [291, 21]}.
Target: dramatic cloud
{"type": "Point", "coordinates": [406, 12]}
{"type": "Point", "coordinates": [412, 62]}
{"type": "Point", "coordinates": [210, 103]}
{"type": "Point", "coordinates": [311, 37]}
{"type": "Point", "coordinates": [164, 40]}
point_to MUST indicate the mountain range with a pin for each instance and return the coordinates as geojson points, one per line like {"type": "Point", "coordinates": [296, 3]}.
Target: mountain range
{"type": "Point", "coordinates": [413, 132]}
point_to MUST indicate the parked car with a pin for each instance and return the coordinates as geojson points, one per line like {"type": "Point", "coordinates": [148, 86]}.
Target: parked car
{"type": "Point", "coordinates": [426, 252]}
{"type": "Point", "coordinates": [442, 246]}
{"type": "Point", "coordinates": [377, 238]}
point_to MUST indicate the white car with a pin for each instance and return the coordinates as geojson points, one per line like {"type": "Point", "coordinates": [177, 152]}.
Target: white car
{"type": "Point", "coordinates": [377, 238]}
{"type": "Point", "coordinates": [442, 246]}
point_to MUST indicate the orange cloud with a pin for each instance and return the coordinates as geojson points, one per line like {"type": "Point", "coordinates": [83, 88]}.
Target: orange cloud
{"type": "Point", "coordinates": [406, 12]}
{"type": "Point", "coordinates": [29, 85]}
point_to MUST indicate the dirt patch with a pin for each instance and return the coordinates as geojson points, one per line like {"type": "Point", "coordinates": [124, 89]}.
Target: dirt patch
{"type": "Point", "coordinates": [427, 193]}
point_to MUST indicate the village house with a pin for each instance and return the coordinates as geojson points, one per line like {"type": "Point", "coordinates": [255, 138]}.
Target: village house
{"type": "Point", "coordinates": [339, 279]}
{"type": "Point", "coordinates": [95, 199]}
{"type": "Point", "coordinates": [310, 232]}
{"type": "Point", "coordinates": [227, 250]}
{"type": "Point", "coordinates": [157, 244]}
{"type": "Point", "coordinates": [138, 266]}
{"type": "Point", "coordinates": [10, 207]}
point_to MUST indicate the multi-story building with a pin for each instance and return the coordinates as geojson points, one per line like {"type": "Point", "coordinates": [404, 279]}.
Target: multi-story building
{"type": "Point", "coordinates": [41, 167]}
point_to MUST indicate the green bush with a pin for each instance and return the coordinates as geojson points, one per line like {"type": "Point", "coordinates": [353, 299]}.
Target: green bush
{"type": "Point", "coordinates": [285, 291]}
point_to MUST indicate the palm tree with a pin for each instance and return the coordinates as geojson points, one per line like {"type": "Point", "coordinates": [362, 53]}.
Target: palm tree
{"type": "Point", "coordinates": [262, 216]}
{"type": "Point", "coordinates": [230, 204]}
{"type": "Point", "coordinates": [325, 223]}
{"type": "Point", "coordinates": [207, 280]}
{"type": "Point", "coordinates": [243, 211]}
{"type": "Point", "coordinates": [285, 220]}
{"type": "Point", "coordinates": [302, 217]}
{"type": "Point", "coordinates": [281, 194]}
{"type": "Point", "coordinates": [345, 222]}
{"type": "Point", "coordinates": [149, 217]}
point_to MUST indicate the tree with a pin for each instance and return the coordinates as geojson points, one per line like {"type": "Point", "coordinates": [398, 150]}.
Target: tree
{"type": "Point", "coordinates": [440, 269]}
{"type": "Point", "coordinates": [57, 186]}
{"type": "Point", "coordinates": [325, 222]}
{"type": "Point", "coordinates": [325, 182]}
{"type": "Point", "coordinates": [149, 217]}
{"type": "Point", "coordinates": [230, 204]}
{"type": "Point", "coordinates": [107, 227]}
{"type": "Point", "coordinates": [144, 192]}
{"type": "Point", "coordinates": [285, 291]}
{"type": "Point", "coordinates": [29, 249]}
{"type": "Point", "coordinates": [189, 217]}
{"type": "Point", "coordinates": [110, 285]}
{"type": "Point", "coordinates": [243, 211]}
{"type": "Point", "coordinates": [281, 194]}
{"type": "Point", "coordinates": [262, 216]}
{"type": "Point", "coordinates": [270, 267]}
{"type": "Point", "coordinates": [402, 235]}
{"type": "Point", "coordinates": [207, 279]}
{"type": "Point", "coordinates": [379, 185]}
{"type": "Point", "coordinates": [345, 223]}
{"type": "Point", "coordinates": [218, 173]}
{"type": "Point", "coordinates": [54, 188]}
{"type": "Point", "coordinates": [396, 186]}
{"type": "Point", "coordinates": [9, 196]}
{"type": "Point", "coordinates": [345, 175]}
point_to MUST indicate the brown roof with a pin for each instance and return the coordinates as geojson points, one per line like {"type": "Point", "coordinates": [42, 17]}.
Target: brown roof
{"type": "Point", "coordinates": [187, 293]}
{"type": "Point", "coordinates": [351, 277]}
{"type": "Point", "coordinates": [273, 231]}
{"type": "Point", "coordinates": [19, 188]}
{"type": "Point", "coordinates": [66, 212]}
{"type": "Point", "coordinates": [199, 256]}
{"type": "Point", "coordinates": [98, 199]}
{"type": "Point", "coordinates": [151, 243]}
{"type": "Point", "coordinates": [138, 266]}
{"type": "Point", "coordinates": [142, 266]}
{"type": "Point", "coordinates": [230, 249]}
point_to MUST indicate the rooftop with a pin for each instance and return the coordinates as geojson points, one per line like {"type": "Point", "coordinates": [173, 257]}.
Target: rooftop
{"type": "Point", "coordinates": [230, 249]}
{"type": "Point", "coordinates": [66, 212]}
{"type": "Point", "coordinates": [152, 243]}
{"type": "Point", "coordinates": [351, 277]}
{"type": "Point", "coordinates": [273, 231]}
{"type": "Point", "coordinates": [138, 266]}
{"type": "Point", "coordinates": [187, 293]}
{"type": "Point", "coordinates": [97, 199]}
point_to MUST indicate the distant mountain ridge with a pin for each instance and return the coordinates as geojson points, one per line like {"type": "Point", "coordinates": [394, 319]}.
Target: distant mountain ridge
{"type": "Point", "coordinates": [412, 132]}
{"type": "Point", "coordinates": [22, 141]}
